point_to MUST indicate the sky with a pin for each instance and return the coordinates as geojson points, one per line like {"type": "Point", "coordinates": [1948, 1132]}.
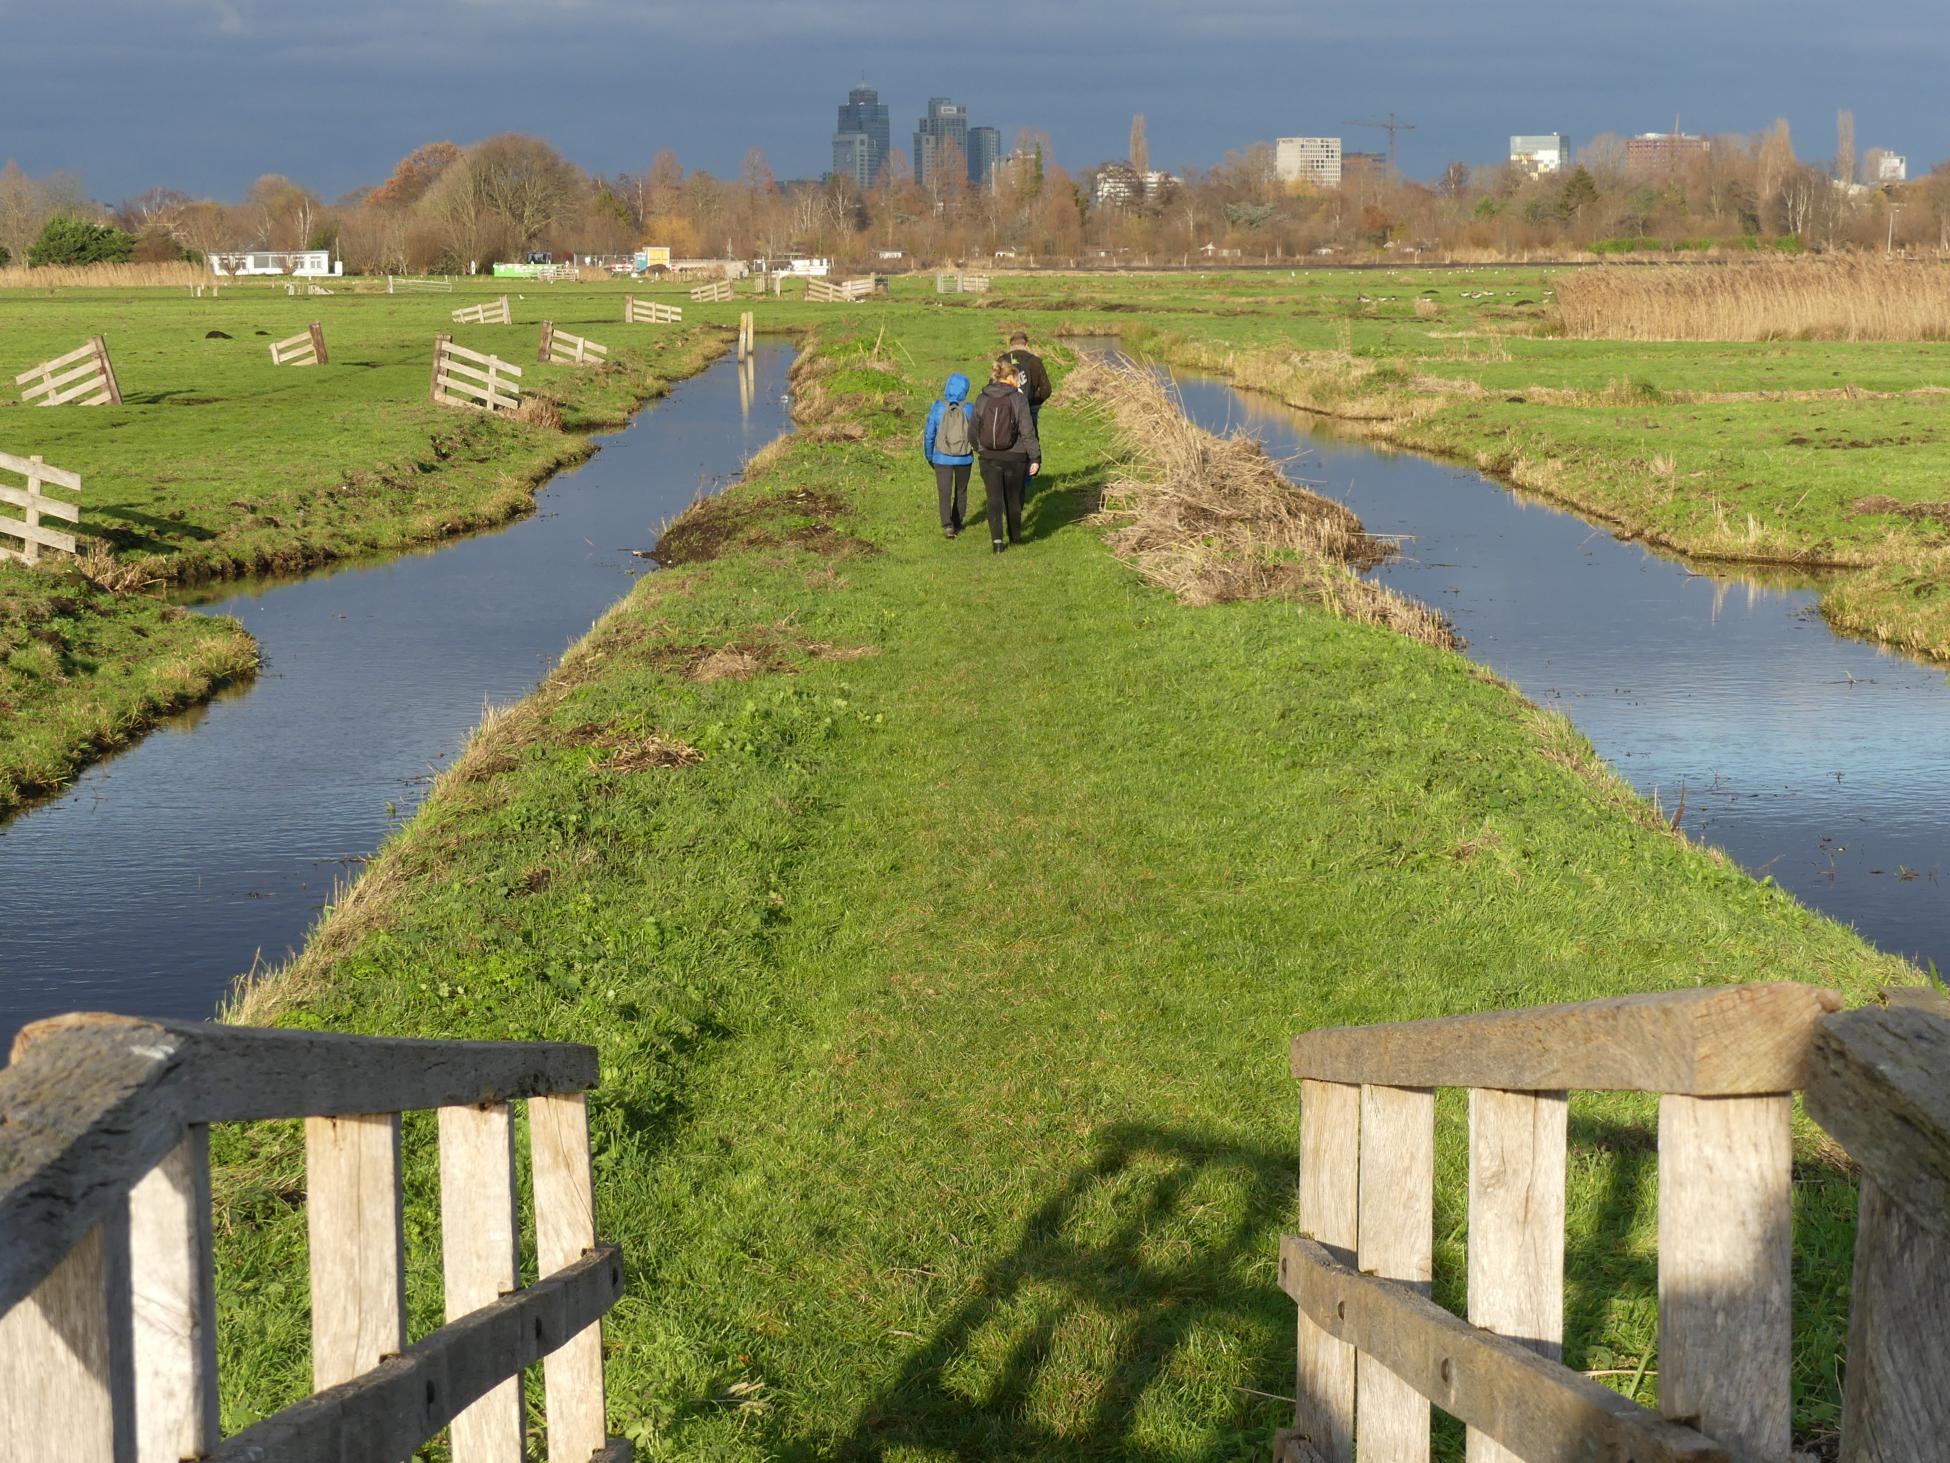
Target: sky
{"type": "Point", "coordinates": [205, 95]}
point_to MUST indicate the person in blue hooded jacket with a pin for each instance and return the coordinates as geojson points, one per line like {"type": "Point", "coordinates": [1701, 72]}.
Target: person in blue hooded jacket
{"type": "Point", "coordinates": [948, 443]}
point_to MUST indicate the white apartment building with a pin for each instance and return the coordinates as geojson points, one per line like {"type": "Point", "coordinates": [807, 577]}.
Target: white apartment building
{"type": "Point", "coordinates": [1315, 160]}
{"type": "Point", "coordinates": [1891, 167]}
{"type": "Point", "coordinates": [1541, 152]}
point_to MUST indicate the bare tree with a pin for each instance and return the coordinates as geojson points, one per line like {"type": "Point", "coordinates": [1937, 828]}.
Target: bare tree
{"type": "Point", "coordinates": [524, 181]}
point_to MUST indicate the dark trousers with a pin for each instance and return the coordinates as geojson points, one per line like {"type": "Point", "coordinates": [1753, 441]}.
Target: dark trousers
{"type": "Point", "coordinates": [1036, 422]}
{"type": "Point", "coordinates": [1002, 481]}
{"type": "Point", "coordinates": [951, 486]}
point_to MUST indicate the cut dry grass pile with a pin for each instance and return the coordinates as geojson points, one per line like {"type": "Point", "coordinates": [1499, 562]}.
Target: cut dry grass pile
{"type": "Point", "coordinates": [106, 276]}
{"type": "Point", "coordinates": [1214, 519]}
{"type": "Point", "coordinates": [1837, 298]}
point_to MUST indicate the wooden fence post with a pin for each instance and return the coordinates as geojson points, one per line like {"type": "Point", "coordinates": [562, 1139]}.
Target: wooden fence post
{"type": "Point", "coordinates": [440, 344]}
{"type": "Point", "coordinates": [318, 342]}
{"type": "Point", "coordinates": [565, 1228]}
{"type": "Point", "coordinates": [1330, 1166]}
{"type": "Point", "coordinates": [358, 1280]}
{"type": "Point", "coordinates": [1517, 1144]}
{"type": "Point", "coordinates": [1893, 1405]}
{"type": "Point", "coordinates": [1397, 1242]}
{"type": "Point", "coordinates": [1725, 1254]}
{"type": "Point", "coordinates": [67, 1372]}
{"type": "Point", "coordinates": [479, 1259]}
{"type": "Point", "coordinates": [174, 1305]}
{"type": "Point", "coordinates": [31, 513]}
{"type": "Point", "coordinates": [108, 369]}
{"type": "Point", "coordinates": [548, 339]}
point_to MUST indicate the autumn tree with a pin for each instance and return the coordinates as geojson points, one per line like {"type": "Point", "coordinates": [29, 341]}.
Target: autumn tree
{"type": "Point", "coordinates": [413, 175]}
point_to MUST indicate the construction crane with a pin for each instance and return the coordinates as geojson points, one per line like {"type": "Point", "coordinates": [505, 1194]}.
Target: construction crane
{"type": "Point", "coordinates": [1391, 127]}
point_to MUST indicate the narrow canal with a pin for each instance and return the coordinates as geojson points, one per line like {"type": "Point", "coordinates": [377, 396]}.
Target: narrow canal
{"type": "Point", "coordinates": [1817, 760]}
{"type": "Point", "coordinates": [168, 870]}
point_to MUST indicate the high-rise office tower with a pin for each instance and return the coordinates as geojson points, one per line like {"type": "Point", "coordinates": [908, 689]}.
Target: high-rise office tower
{"type": "Point", "coordinates": [945, 123]}
{"type": "Point", "coordinates": [861, 139]}
{"type": "Point", "coordinates": [984, 152]}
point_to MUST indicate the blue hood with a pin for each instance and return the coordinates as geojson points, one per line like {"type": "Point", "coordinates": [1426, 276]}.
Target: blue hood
{"type": "Point", "coordinates": [957, 388]}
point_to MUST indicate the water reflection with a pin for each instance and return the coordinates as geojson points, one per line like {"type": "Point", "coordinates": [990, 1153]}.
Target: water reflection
{"type": "Point", "coordinates": [1820, 760]}
{"type": "Point", "coordinates": [167, 870]}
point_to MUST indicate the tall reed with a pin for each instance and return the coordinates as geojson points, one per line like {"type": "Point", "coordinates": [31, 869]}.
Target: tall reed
{"type": "Point", "coordinates": [1855, 297]}
{"type": "Point", "coordinates": [106, 276]}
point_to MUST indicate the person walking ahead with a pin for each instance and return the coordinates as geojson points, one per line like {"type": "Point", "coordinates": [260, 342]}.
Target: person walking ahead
{"type": "Point", "coordinates": [1034, 376]}
{"type": "Point", "coordinates": [948, 443]}
{"type": "Point", "coordinates": [1005, 440]}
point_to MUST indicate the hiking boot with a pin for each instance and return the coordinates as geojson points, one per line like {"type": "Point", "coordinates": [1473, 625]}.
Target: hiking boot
{"type": "Point", "coordinates": [996, 545]}
{"type": "Point", "coordinates": [949, 532]}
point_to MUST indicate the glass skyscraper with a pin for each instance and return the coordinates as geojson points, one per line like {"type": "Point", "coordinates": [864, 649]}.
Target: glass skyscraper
{"type": "Point", "coordinates": [984, 152]}
{"type": "Point", "coordinates": [945, 123]}
{"type": "Point", "coordinates": [861, 139]}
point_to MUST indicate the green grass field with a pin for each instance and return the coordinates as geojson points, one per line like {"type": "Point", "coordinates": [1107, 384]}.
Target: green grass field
{"type": "Point", "coordinates": [219, 464]}
{"type": "Point", "coordinates": [941, 919]}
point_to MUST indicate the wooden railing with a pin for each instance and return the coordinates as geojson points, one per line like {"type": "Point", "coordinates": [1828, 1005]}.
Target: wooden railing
{"type": "Point", "coordinates": [84, 377]}
{"type": "Point", "coordinates": [34, 504]}
{"type": "Point", "coordinates": [306, 349]}
{"type": "Point", "coordinates": [1375, 1351]}
{"type": "Point", "coordinates": [718, 292]}
{"type": "Point", "coordinates": [107, 1309]}
{"type": "Point", "coordinates": [462, 377]}
{"type": "Point", "coordinates": [834, 292]}
{"type": "Point", "coordinates": [492, 312]}
{"type": "Point", "coordinates": [650, 312]}
{"type": "Point", "coordinates": [560, 348]}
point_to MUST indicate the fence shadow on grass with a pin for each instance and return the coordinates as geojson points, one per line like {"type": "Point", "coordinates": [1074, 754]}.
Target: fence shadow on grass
{"type": "Point", "coordinates": [1150, 1272]}
{"type": "Point", "coordinates": [1061, 498]}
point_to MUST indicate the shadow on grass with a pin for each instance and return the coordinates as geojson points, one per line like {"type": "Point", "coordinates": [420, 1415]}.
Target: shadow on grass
{"type": "Point", "coordinates": [169, 534]}
{"type": "Point", "coordinates": [1138, 1316]}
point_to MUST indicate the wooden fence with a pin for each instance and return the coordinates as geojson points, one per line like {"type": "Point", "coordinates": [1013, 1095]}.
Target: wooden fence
{"type": "Point", "coordinates": [716, 293]}
{"type": "Point", "coordinates": [307, 349]}
{"type": "Point", "coordinates": [36, 505]}
{"type": "Point", "coordinates": [1375, 1351]}
{"type": "Point", "coordinates": [107, 1292]}
{"type": "Point", "coordinates": [563, 349]}
{"type": "Point", "coordinates": [959, 284]}
{"type": "Point", "coordinates": [397, 284]}
{"type": "Point", "coordinates": [823, 291]}
{"type": "Point", "coordinates": [493, 312]}
{"type": "Point", "coordinates": [470, 378]}
{"type": "Point", "coordinates": [85, 377]}
{"type": "Point", "coordinates": [745, 333]}
{"type": "Point", "coordinates": [650, 312]}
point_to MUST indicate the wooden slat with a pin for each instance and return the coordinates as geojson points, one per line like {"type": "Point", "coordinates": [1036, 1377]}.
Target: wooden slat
{"type": "Point", "coordinates": [1725, 1252]}
{"type": "Point", "coordinates": [47, 367]}
{"type": "Point", "coordinates": [481, 358]}
{"type": "Point", "coordinates": [1896, 1402]}
{"type": "Point", "coordinates": [90, 367]}
{"type": "Point", "coordinates": [1534, 1407]}
{"type": "Point", "coordinates": [392, 1409]}
{"type": "Point", "coordinates": [481, 394]}
{"type": "Point", "coordinates": [33, 533]}
{"type": "Point", "coordinates": [91, 1103]}
{"type": "Point", "coordinates": [317, 333]}
{"type": "Point", "coordinates": [304, 338]}
{"type": "Point", "coordinates": [1396, 1241]}
{"type": "Point", "coordinates": [108, 369]}
{"type": "Point", "coordinates": [479, 1259]}
{"type": "Point", "coordinates": [67, 1385]}
{"type": "Point", "coordinates": [174, 1305]}
{"type": "Point", "coordinates": [86, 388]}
{"type": "Point", "coordinates": [358, 1272]}
{"type": "Point", "coordinates": [1517, 1143]}
{"type": "Point", "coordinates": [58, 476]}
{"type": "Point", "coordinates": [458, 368]}
{"type": "Point", "coordinates": [1330, 1167]}
{"type": "Point", "coordinates": [565, 1228]}
{"type": "Point", "coordinates": [1715, 1041]}
{"type": "Point", "coordinates": [1879, 1081]}
{"type": "Point", "coordinates": [52, 507]}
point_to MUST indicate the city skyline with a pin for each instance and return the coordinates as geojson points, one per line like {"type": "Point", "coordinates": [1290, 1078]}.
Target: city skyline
{"type": "Point", "coordinates": [356, 93]}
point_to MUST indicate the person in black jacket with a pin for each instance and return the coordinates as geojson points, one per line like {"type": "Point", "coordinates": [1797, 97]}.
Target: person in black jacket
{"type": "Point", "coordinates": [1006, 443]}
{"type": "Point", "coordinates": [1035, 385]}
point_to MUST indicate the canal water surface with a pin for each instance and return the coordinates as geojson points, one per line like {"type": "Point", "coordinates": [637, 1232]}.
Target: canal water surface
{"type": "Point", "coordinates": [214, 842]}
{"type": "Point", "coordinates": [1815, 759]}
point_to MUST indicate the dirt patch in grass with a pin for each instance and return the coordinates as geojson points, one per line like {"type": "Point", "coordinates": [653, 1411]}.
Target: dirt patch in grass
{"type": "Point", "coordinates": [713, 527]}
{"type": "Point", "coordinates": [630, 751]}
{"type": "Point", "coordinates": [1881, 503]}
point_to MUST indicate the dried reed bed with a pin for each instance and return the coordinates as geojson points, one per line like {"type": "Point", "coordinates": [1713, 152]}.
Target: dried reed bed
{"type": "Point", "coordinates": [107, 276]}
{"type": "Point", "coordinates": [1856, 297]}
{"type": "Point", "coordinates": [1214, 519]}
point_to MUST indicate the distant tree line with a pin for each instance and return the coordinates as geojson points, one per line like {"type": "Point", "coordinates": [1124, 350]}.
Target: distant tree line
{"type": "Point", "coordinates": [445, 207]}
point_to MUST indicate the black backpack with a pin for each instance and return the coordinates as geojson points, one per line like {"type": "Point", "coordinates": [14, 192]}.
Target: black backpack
{"type": "Point", "coordinates": [995, 421]}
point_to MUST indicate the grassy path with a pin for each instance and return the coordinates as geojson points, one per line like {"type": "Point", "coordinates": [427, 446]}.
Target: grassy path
{"type": "Point", "coordinates": [941, 918]}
